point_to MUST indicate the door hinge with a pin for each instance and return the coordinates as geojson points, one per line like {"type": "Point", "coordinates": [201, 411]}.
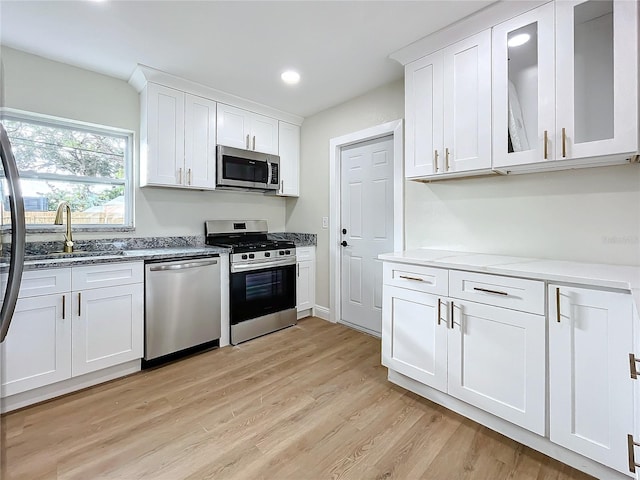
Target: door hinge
{"type": "Point", "coordinates": [632, 366]}
{"type": "Point", "coordinates": [632, 457]}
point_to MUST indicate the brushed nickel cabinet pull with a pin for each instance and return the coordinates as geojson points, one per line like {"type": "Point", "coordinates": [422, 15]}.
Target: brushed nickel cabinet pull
{"type": "Point", "coordinates": [189, 177]}
{"type": "Point", "coordinates": [439, 311]}
{"type": "Point", "coordinates": [281, 186]}
{"type": "Point", "coordinates": [435, 159]}
{"type": "Point", "coordinates": [64, 307]}
{"type": "Point", "coordinates": [416, 279]}
{"type": "Point", "coordinates": [564, 142]}
{"type": "Point", "coordinates": [632, 366]}
{"type": "Point", "coordinates": [446, 159]}
{"type": "Point", "coordinates": [79, 304]}
{"type": "Point", "coordinates": [254, 142]}
{"type": "Point", "coordinates": [247, 141]}
{"type": "Point", "coordinates": [632, 456]}
{"type": "Point", "coordinates": [180, 175]}
{"type": "Point", "coordinates": [546, 141]}
{"type": "Point", "coordinates": [558, 305]}
{"type": "Point", "coordinates": [486, 290]}
{"type": "Point", "coordinates": [452, 307]}
{"type": "Point", "coordinates": [298, 270]}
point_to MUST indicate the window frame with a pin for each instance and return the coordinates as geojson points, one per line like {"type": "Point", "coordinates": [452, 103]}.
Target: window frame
{"type": "Point", "coordinates": [129, 171]}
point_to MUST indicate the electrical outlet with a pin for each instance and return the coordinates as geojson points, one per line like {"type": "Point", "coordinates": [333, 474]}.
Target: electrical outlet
{"type": "Point", "coordinates": [325, 222]}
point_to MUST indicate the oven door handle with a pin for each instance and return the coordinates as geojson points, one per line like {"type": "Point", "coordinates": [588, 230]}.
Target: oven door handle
{"type": "Point", "coordinates": [246, 267]}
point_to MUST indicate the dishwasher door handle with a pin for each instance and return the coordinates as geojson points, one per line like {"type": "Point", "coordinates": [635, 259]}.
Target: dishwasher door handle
{"type": "Point", "coordinates": [182, 266]}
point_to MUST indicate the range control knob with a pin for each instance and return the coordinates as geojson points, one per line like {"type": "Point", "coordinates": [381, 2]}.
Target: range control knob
{"type": "Point", "coordinates": [244, 257]}
{"type": "Point", "coordinates": [251, 255]}
{"type": "Point", "coordinates": [288, 252]}
{"type": "Point", "coordinates": [267, 254]}
{"type": "Point", "coordinates": [281, 252]}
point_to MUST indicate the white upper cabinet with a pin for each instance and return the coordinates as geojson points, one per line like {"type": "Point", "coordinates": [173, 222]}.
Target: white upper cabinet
{"type": "Point", "coordinates": [177, 146]}
{"type": "Point", "coordinates": [467, 104]}
{"type": "Point", "coordinates": [597, 78]}
{"type": "Point", "coordinates": [200, 142]}
{"type": "Point", "coordinates": [524, 89]}
{"type": "Point", "coordinates": [289, 147]}
{"type": "Point", "coordinates": [247, 130]}
{"type": "Point", "coordinates": [448, 110]}
{"type": "Point", "coordinates": [567, 96]}
{"type": "Point", "coordinates": [423, 113]}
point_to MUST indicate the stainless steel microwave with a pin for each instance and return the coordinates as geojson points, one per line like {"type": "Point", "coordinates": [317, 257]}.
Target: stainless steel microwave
{"type": "Point", "coordinates": [246, 170]}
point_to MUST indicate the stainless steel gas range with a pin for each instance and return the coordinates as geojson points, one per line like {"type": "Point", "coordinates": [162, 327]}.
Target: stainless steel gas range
{"type": "Point", "coordinates": [262, 277]}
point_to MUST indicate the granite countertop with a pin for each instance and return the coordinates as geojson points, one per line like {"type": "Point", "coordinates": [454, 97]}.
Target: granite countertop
{"type": "Point", "coordinates": [35, 262]}
{"type": "Point", "coordinates": [621, 277]}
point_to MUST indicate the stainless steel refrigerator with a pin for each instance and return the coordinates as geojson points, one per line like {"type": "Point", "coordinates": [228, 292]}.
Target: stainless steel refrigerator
{"type": "Point", "coordinates": [11, 183]}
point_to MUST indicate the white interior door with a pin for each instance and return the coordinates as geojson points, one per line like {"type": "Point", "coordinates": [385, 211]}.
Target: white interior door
{"type": "Point", "coordinates": [366, 217]}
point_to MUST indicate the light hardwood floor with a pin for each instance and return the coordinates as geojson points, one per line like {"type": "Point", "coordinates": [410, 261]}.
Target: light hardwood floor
{"type": "Point", "coordinates": [309, 402]}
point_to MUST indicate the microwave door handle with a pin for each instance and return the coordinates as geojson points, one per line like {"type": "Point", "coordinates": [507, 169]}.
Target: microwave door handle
{"type": "Point", "coordinates": [269, 173]}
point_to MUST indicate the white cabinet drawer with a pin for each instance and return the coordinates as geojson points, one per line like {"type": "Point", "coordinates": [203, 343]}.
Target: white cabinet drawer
{"type": "Point", "coordinates": [415, 277]}
{"type": "Point", "coordinates": [107, 275]}
{"type": "Point", "coordinates": [513, 293]}
{"type": "Point", "coordinates": [305, 253]}
{"type": "Point", "coordinates": [43, 282]}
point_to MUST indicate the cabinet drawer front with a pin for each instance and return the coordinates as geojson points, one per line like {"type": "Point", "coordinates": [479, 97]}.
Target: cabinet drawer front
{"type": "Point", "coordinates": [305, 253]}
{"type": "Point", "coordinates": [107, 275]}
{"type": "Point", "coordinates": [43, 282]}
{"type": "Point", "coordinates": [415, 277]}
{"type": "Point", "coordinates": [514, 293]}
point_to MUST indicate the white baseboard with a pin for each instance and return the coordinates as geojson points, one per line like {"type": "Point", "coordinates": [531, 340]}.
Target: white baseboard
{"type": "Point", "coordinates": [321, 312]}
{"type": "Point", "coordinates": [508, 429]}
{"type": "Point", "coordinates": [304, 313]}
{"type": "Point", "coordinates": [37, 395]}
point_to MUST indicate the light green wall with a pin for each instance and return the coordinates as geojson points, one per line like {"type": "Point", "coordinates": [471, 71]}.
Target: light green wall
{"type": "Point", "coordinates": [39, 85]}
{"type": "Point", "coordinates": [588, 215]}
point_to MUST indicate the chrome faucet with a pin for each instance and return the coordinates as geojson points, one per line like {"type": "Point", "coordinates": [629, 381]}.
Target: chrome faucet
{"type": "Point", "coordinates": [68, 241]}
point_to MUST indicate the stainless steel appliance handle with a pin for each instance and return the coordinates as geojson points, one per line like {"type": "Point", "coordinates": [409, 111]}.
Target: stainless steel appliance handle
{"type": "Point", "coordinates": [269, 172]}
{"type": "Point", "coordinates": [182, 266]}
{"type": "Point", "coordinates": [18, 234]}
{"type": "Point", "coordinates": [245, 267]}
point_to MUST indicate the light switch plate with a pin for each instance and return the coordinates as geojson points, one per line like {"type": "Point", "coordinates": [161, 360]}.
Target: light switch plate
{"type": "Point", "coordinates": [325, 222]}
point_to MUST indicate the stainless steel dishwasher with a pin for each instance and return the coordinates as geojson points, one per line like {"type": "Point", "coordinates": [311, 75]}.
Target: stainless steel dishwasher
{"type": "Point", "coordinates": [182, 307]}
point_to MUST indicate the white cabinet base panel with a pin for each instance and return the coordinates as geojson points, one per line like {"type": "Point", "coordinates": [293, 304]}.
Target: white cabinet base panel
{"type": "Point", "coordinates": [507, 429]}
{"type": "Point", "coordinates": [47, 392]}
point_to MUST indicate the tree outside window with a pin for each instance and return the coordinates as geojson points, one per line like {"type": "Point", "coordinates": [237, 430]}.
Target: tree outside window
{"type": "Point", "coordinates": [60, 160]}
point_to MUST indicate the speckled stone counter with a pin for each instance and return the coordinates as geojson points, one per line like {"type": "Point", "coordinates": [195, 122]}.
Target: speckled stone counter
{"type": "Point", "coordinates": [300, 239]}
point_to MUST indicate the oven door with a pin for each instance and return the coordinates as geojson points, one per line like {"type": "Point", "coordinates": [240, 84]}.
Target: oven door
{"type": "Point", "coordinates": [254, 293]}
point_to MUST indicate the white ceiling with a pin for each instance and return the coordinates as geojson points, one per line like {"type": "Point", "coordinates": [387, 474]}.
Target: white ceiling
{"type": "Point", "coordinates": [340, 48]}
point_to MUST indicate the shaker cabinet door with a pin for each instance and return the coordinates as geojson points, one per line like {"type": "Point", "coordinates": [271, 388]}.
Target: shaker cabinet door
{"type": "Point", "coordinates": [590, 389]}
{"type": "Point", "coordinates": [497, 362]}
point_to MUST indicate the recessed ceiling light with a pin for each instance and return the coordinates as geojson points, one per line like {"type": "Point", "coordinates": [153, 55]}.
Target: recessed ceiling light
{"type": "Point", "coordinates": [518, 40]}
{"type": "Point", "coordinates": [290, 77]}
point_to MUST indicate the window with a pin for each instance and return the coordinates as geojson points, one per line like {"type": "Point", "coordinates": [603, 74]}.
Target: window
{"type": "Point", "coordinates": [85, 165]}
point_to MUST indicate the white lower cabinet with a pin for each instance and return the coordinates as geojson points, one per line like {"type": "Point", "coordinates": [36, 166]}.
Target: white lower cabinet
{"type": "Point", "coordinates": [73, 321]}
{"type": "Point", "coordinates": [37, 350]}
{"type": "Point", "coordinates": [107, 327]}
{"type": "Point", "coordinates": [414, 335]}
{"type": "Point", "coordinates": [590, 387]}
{"type": "Point", "coordinates": [488, 356]}
{"type": "Point", "coordinates": [497, 362]}
{"type": "Point", "coordinates": [306, 280]}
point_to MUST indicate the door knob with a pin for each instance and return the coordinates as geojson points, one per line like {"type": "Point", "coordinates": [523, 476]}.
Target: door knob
{"type": "Point", "coordinates": [344, 231]}
{"type": "Point", "coordinates": [344, 243]}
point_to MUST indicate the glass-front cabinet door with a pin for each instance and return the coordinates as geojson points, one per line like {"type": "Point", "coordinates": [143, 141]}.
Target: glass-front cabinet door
{"type": "Point", "coordinates": [524, 89]}
{"type": "Point", "coordinates": [597, 75]}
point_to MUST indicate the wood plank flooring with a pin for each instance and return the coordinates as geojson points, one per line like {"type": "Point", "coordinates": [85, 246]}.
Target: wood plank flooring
{"type": "Point", "coordinates": [309, 402]}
